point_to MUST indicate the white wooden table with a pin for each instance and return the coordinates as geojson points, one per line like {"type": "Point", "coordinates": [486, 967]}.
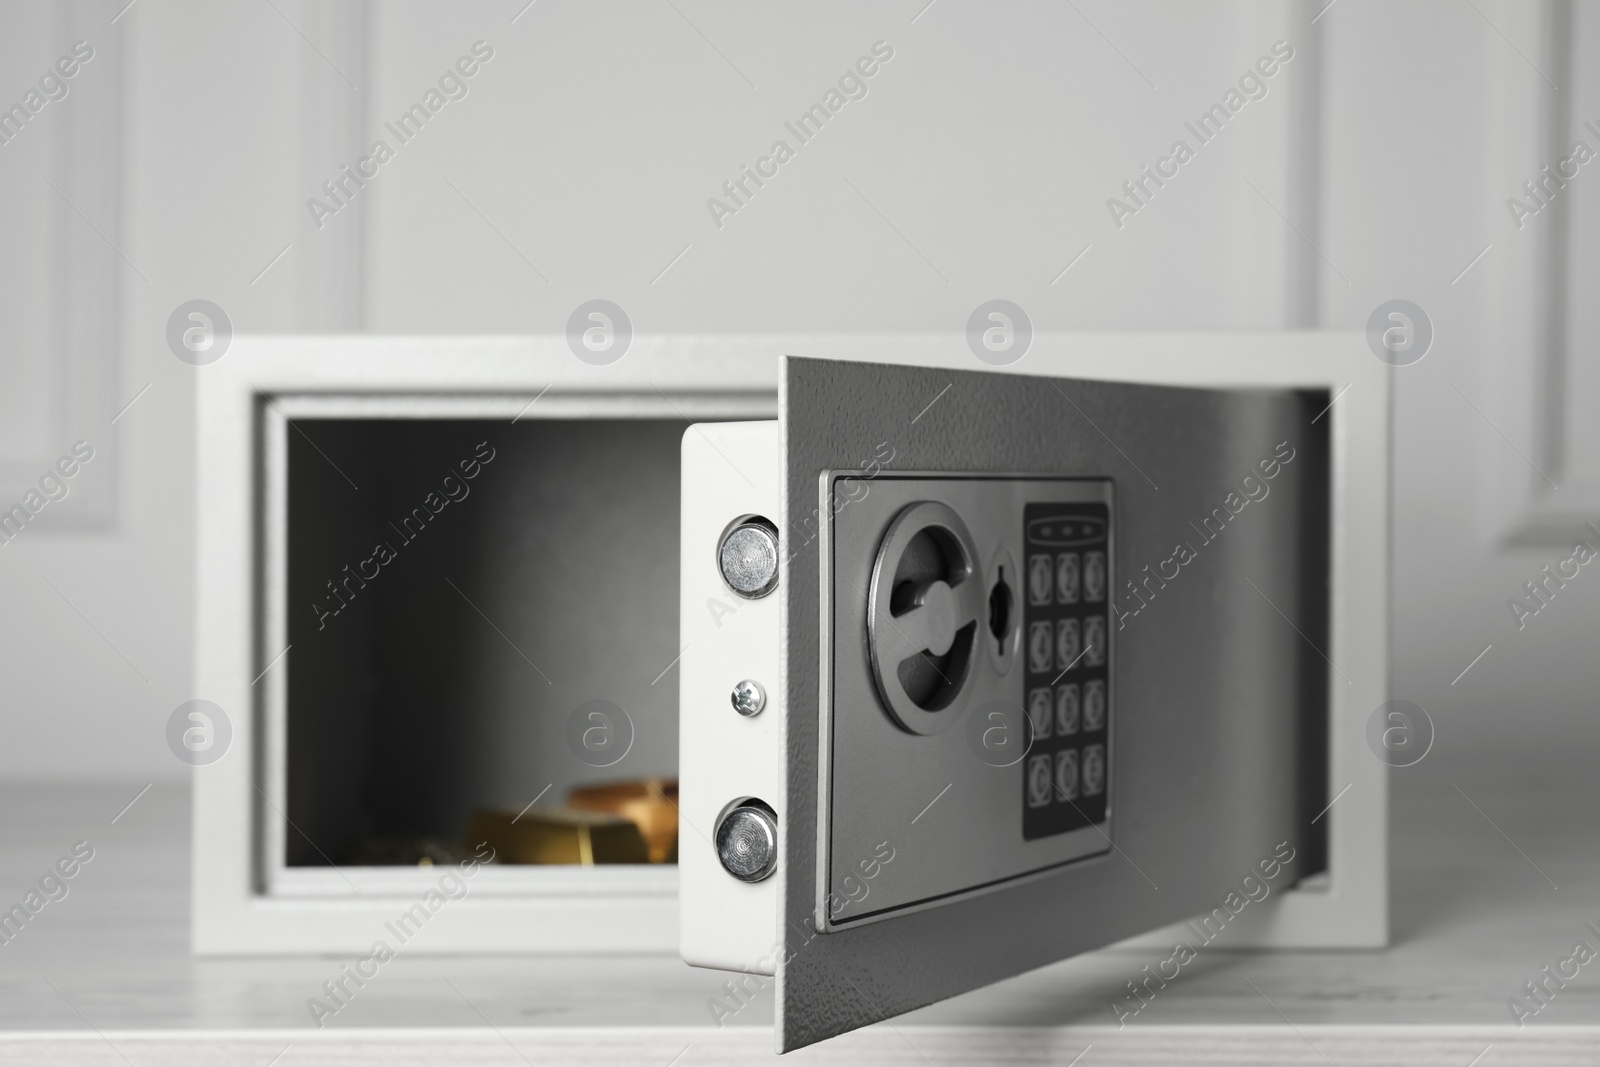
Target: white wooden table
{"type": "Point", "coordinates": [104, 976]}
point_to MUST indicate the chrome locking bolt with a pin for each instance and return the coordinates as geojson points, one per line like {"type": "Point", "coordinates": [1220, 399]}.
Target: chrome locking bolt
{"type": "Point", "coordinates": [748, 557]}
{"type": "Point", "coordinates": [747, 843]}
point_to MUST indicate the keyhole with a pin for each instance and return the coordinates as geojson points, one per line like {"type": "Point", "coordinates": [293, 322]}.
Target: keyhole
{"type": "Point", "coordinates": [1000, 612]}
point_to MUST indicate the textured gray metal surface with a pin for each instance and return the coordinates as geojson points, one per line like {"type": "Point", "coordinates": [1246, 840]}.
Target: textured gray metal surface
{"type": "Point", "coordinates": [1210, 673]}
{"type": "Point", "coordinates": [950, 813]}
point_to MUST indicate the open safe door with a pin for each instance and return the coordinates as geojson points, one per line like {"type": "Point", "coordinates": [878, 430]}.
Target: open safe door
{"type": "Point", "coordinates": [985, 670]}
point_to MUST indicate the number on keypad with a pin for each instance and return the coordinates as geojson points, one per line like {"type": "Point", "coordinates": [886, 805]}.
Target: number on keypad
{"type": "Point", "coordinates": [1041, 644]}
{"type": "Point", "coordinates": [1067, 775]}
{"type": "Point", "coordinates": [1040, 580]}
{"type": "Point", "coordinates": [1094, 705]}
{"type": "Point", "coordinates": [1068, 643]}
{"type": "Point", "coordinates": [1068, 573]}
{"type": "Point", "coordinates": [1039, 713]}
{"type": "Point", "coordinates": [1094, 770]}
{"type": "Point", "coordinates": [1094, 641]}
{"type": "Point", "coordinates": [1039, 781]}
{"type": "Point", "coordinates": [1067, 709]}
{"type": "Point", "coordinates": [1094, 577]}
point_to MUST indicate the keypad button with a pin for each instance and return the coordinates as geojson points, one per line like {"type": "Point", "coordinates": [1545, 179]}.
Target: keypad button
{"type": "Point", "coordinates": [1067, 775]}
{"type": "Point", "coordinates": [1039, 713]}
{"type": "Point", "coordinates": [1068, 573]}
{"type": "Point", "coordinates": [1094, 576]}
{"type": "Point", "coordinates": [1067, 709]}
{"type": "Point", "coordinates": [1068, 643]}
{"type": "Point", "coordinates": [1094, 770]}
{"type": "Point", "coordinates": [1039, 780]}
{"type": "Point", "coordinates": [1040, 646]}
{"type": "Point", "coordinates": [1094, 641]}
{"type": "Point", "coordinates": [1094, 705]}
{"type": "Point", "coordinates": [1040, 580]}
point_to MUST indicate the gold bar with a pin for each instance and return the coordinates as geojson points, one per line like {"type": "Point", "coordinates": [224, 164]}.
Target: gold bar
{"type": "Point", "coordinates": [558, 836]}
{"type": "Point", "coordinates": [650, 804]}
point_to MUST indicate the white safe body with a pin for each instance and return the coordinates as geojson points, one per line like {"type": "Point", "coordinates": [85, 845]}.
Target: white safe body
{"type": "Point", "coordinates": [247, 900]}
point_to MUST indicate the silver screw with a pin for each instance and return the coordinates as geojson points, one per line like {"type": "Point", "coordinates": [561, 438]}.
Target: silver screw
{"type": "Point", "coordinates": [748, 557]}
{"type": "Point", "coordinates": [749, 698]}
{"type": "Point", "coordinates": [747, 843]}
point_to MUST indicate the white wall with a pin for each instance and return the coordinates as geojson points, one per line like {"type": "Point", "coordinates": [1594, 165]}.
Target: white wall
{"type": "Point", "coordinates": [977, 166]}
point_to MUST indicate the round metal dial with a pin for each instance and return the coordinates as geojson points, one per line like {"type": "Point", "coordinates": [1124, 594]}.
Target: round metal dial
{"type": "Point", "coordinates": [924, 611]}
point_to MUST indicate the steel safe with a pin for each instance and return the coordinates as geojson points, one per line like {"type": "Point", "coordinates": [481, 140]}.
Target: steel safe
{"type": "Point", "coordinates": [973, 669]}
